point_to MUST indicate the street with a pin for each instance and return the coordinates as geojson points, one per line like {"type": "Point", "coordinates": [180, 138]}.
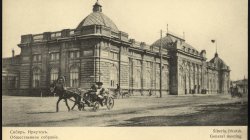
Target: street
{"type": "Point", "coordinates": [202, 110]}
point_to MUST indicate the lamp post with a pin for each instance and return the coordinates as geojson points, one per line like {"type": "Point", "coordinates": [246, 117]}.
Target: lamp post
{"type": "Point", "coordinates": [160, 66]}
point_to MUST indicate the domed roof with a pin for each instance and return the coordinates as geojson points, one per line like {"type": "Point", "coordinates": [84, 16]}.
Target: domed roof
{"type": "Point", "coordinates": [218, 62]}
{"type": "Point", "coordinates": [98, 18]}
{"type": "Point", "coordinates": [168, 40]}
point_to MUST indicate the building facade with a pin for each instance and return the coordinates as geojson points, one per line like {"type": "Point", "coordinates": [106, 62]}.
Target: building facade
{"type": "Point", "coordinates": [98, 51]}
{"type": "Point", "coordinates": [242, 85]}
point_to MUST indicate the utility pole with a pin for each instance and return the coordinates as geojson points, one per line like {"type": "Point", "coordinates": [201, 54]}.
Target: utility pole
{"type": "Point", "coordinates": [160, 52]}
{"type": "Point", "coordinates": [167, 29]}
{"type": "Point", "coordinates": [216, 45]}
{"type": "Point", "coordinates": [215, 41]}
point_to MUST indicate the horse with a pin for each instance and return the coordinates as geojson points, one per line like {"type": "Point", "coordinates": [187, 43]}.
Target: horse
{"type": "Point", "coordinates": [65, 95]}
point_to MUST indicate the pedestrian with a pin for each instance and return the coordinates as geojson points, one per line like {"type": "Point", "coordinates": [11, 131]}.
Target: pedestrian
{"type": "Point", "coordinates": [117, 90]}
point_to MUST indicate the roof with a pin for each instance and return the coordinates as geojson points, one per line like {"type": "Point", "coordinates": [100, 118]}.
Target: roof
{"type": "Point", "coordinates": [218, 62]}
{"type": "Point", "coordinates": [241, 82]}
{"type": "Point", "coordinates": [98, 18]}
{"type": "Point", "coordinates": [167, 40]}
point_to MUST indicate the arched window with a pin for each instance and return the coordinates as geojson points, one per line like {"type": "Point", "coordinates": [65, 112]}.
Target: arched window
{"type": "Point", "coordinates": [54, 75]}
{"type": "Point", "coordinates": [138, 78]}
{"type": "Point", "coordinates": [113, 76]}
{"type": "Point", "coordinates": [157, 82]}
{"type": "Point", "coordinates": [148, 79]}
{"type": "Point", "coordinates": [74, 77]}
{"type": "Point", "coordinates": [36, 78]}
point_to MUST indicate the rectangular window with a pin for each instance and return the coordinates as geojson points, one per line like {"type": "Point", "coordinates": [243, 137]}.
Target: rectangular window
{"type": "Point", "coordinates": [148, 64]}
{"type": "Point", "coordinates": [54, 56]}
{"type": "Point", "coordinates": [88, 53]}
{"type": "Point", "coordinates": [54, 73]}
{"type": "Point", "coordinates": [138, 81]}
{"type": "Point", "coordinates": [72, 32]}
{"type": "Point", "coordinates": [138, 62]}
{"type": "Point", "coordinates": [71, 55]}
{"type": "Point", "coordinates": [57, 56]}
{"type": "Point", "coordinates": [34, 58]}
{"type": "Point", "coordinates": [158, 66]}
{"type": "Point", "coordinates": [77, 54]}
{"type": "Point", "coordinates": [58, 34]}
{"type": "Point", "coordinates": [36, 79]}
{"type": "Point", "coordinates": [74, 77]}
{"type": "Point", "coordinates": [37, 57]}
{"type": "Point", "coordinates": [113, 55]}
{"type": "Point", "coordinates": [74, 54]}
{"type": "Point", "coordinates": [157, 80]}
{"type": "Point", "coordinates": [13, 82]}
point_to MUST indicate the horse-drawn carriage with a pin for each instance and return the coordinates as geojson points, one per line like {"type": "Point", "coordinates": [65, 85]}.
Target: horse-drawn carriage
{"type": "Point", "coordinates": [92, 100]}
{"type": "Point", "coordinates": [83, 98]}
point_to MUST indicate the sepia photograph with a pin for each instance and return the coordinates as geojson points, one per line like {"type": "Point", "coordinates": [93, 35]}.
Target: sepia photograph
{"type": "Point", "coordinates": [116, 63]}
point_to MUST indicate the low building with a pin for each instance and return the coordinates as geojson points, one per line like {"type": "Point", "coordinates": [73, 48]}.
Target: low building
{"type": "Point", "coordinates": [242, 85]}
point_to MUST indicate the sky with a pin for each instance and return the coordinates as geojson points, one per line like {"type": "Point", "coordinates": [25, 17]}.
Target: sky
{"type": "Point", "coordinates": [201, 20]}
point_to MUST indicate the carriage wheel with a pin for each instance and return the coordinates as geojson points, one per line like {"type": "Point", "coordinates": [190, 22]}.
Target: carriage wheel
{"type": "Point", "coordinates": [110, 103]}
{"type": "Point", "coordinates": [96, 106]}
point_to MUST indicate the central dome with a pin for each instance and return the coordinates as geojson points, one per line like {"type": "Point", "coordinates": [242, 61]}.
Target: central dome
{"type": "Point", "coordinates": [98, 18]}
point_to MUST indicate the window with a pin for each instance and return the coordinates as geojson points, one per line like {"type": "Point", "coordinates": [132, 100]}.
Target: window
{"type": "Point", "coordinates": [88, 53]}
{"type": "Point", "coordinates": [54, 75]}
{"type": "Point", "coordinates": [138, 78]}
{"type": "Point", "coordinates": [148, 64]}
{"type": "Point", "coordinates": [54, 56]}
{"type": "Point", "coordinates": [37, 57]}
{"type": "Point", "coordinates": [36, 78]}
{"type": "Point", "coordinates": [157, 80]}
{"type": "Point", "coordinates": [138, 62]}
{"type": "Point", "coordinates": [113, 55]}
{"type": "Point", "coordinates": [72, 32]}
{"type": "Point", "coordinates": [158, 66]}
{"type": "Point", "coordinates": [148, 79]}
{"type": "Point", "coordinates": [165, 78]}
{"type": "Point", "coordinates": [74, 77]}
{"type": "Point", "coordinates": [13, 81]}
{"type": "Point", "coordinates": [74, 54]}
{"type": "Point", "coordinates": [113, 76]}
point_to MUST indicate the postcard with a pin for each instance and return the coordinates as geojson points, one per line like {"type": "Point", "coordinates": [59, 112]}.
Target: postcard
{"type": "Point", "coordinates": [98, 69]}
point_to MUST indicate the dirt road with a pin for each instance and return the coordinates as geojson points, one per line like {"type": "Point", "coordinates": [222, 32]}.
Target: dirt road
{"type": "Point", "coordinates": [133, 111]}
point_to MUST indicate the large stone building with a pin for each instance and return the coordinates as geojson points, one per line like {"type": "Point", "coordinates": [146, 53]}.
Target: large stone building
{"type": "Point", "coordinates": [96, 50]}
